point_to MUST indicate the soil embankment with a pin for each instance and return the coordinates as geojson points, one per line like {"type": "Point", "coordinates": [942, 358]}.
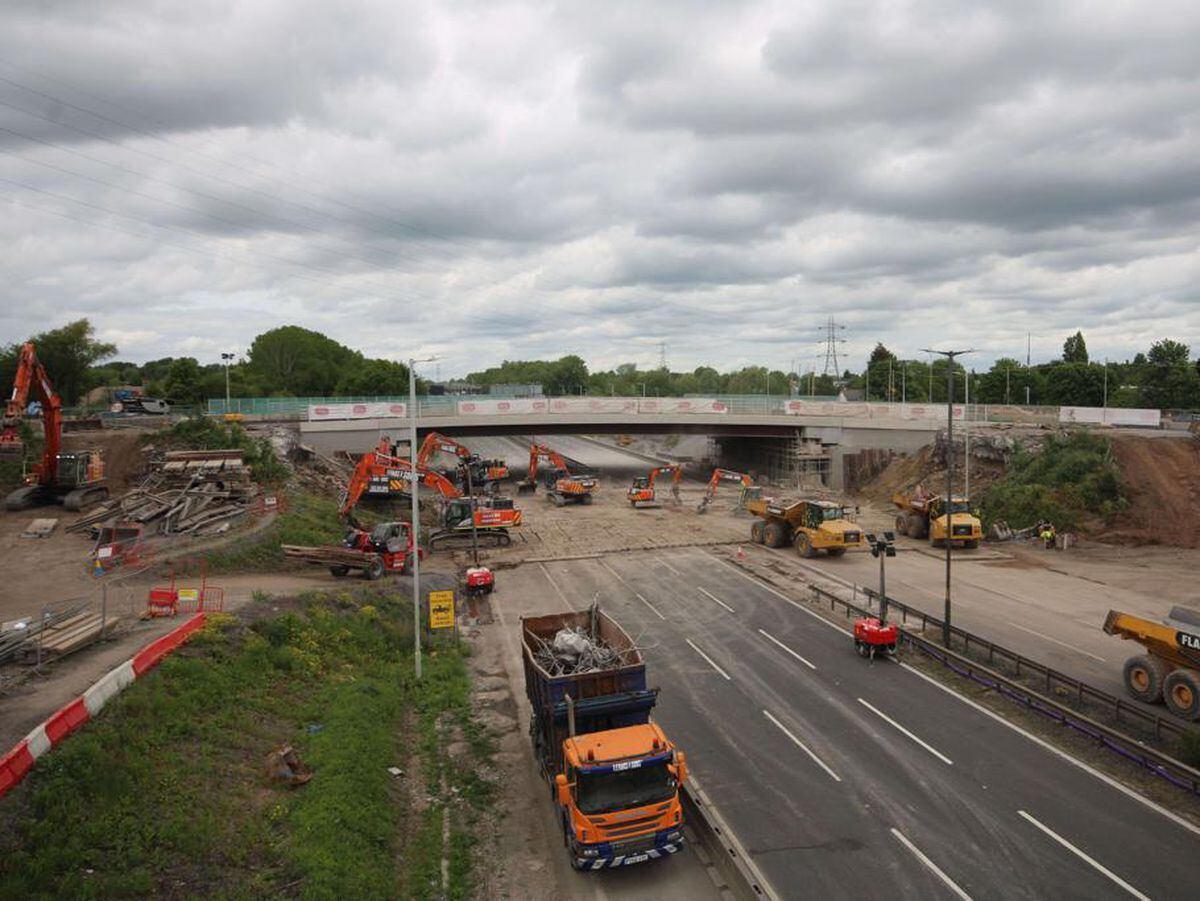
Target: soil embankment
{"type": "Point", "coordinates": [1161, 478]}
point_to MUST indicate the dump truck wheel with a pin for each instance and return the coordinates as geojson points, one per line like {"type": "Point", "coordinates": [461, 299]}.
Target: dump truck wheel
{"type": "Point", "coordinates": [756, 531]}
{"type": "Point", "coordinates": [374, 570]}
{"type": "Point", "coordinates": [836, 551]}
{"type": "Point", "coordinates": [339, 570]}
{"type": "Point", "coordinates": [774, 535]}
{"type": "Point", "coordinates": [972, 544]}
{"type": "Point", "coordinates": [1144, 677]}
{"type": "Point", "coordinates": [1181, 692]}
{"type": "Point", "coordinates": [803, 546]}
{"type": "Point", "coordinates": [902, 524]}
{"type": "Point", "coordinates": [917, 527]}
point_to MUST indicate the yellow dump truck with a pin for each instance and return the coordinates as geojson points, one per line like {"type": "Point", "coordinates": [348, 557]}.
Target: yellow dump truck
{"type": "Point", "coordinates": [1169, 671]}
{"type": "Point", "coordinates": [811, 526]}
{"type": "Point", "coordinates": [924, 516]}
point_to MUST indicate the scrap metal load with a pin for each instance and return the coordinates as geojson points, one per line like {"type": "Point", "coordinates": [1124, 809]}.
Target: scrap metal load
{"type": "Point", "coordinates": [572, 651]}
{"type": "Point", "coordinates": [924, 515]}
{"type": "Point", "coordinates": [193, 493]}
{"type": "Point", "coordinates": [810, 525]}
{"type": "Point", "coordinates": [1169, 671]}
{"type": "Point", "coordinates": [613, 773]}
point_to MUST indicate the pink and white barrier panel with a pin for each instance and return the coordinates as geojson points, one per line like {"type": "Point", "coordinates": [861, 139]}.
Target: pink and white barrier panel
{"type": "Point", "coordinates": [19, 761]}
{"type": "Point", "coordinates": [503, 407]}
{"type": "Point", "coordinates": [922, 412]}
{"type": "Point", "coordinates": [681, 405]}
{"type": "Point", "coordinates": [322, 412]}
{"type": "Point", "coordinates": [593, 405]}
{"type": "Point", "coordinates": [1151, 419]}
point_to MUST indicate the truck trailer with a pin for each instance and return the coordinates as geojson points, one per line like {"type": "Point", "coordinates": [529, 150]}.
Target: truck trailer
{"type": "Point", "coordinates": [614, 776]}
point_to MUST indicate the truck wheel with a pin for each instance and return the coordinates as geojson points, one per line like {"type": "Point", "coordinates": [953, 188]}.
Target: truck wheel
{"type": "Point", "coordinates": [803, 546]}
{"type": "Point", "coordinates": [1181, 691]}
{"type": "Point", "coordinates": [917, 527]}
{"type": "Point", "coordinates": [936, 542]}
{"type": "Point", "coordinates": [902, 524]}
{"type": "Point", "coordinates": [972, 544]}
{"type": "Point", "coordinates": [1144, 676]}
{"type": "Point", "coordinates": [373, 570]}
{"type": "Point", "coordinates": [756, 531]}
{"type": "Point", "coordinates": [774, 535]}
{"type": "Point", "coordinates": [339, 570]}
{"type": "Point", "coordinates": [836, 551]}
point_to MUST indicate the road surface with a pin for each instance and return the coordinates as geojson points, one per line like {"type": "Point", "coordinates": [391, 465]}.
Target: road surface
{"type": "Point", "coordinates": [847, 779]}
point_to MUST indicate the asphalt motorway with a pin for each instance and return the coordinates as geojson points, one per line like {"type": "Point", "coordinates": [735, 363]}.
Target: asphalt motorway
{"type": "Point", "coordinates": [846, 778]}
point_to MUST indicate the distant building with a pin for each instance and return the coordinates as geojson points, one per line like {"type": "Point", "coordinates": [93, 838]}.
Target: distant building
{"type": "Point", "coordinates": [455, 387]}
{"type": "Point", "coordinates": [531, 390]}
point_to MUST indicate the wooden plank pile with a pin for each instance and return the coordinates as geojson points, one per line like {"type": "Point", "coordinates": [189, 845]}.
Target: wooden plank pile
{"type": "Point", "coordinates": [190, 493]}
{"type": "Point", "coordinates": [70, 635]}
{"type": "Point", "coordinates": [329, 555]}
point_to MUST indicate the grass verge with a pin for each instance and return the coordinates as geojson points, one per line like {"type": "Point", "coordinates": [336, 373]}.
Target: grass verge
{"type": "Point", "coordinates": [308, 519]}
{"type": "Point", "coordinates": [166, 795]}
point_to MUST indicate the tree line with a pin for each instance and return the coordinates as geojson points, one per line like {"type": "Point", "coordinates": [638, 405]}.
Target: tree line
{"type": "Point", "coordinates": [298, 362]}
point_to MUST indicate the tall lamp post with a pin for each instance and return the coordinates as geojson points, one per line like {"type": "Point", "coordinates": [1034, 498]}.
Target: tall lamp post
{"type": "Point", "coordinates": [225, 358]}
{"type": "Point", "coordinates": [416, 524]}
{"type": "Point", "coordinates": [949, 355]}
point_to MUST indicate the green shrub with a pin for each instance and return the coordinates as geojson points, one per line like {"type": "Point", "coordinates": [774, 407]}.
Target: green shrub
{"type": "Point", "coordinates": [1070, 478]}
{"type": "Point", "coordinates": [206, 433]}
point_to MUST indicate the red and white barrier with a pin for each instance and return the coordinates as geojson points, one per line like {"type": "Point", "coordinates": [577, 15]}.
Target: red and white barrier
{"type": "Point", "coordinates": [19, 761]}
{"type": "Point", "coordinates": [593, 405]}
{"type": "Point", "coordinates": [322, 412]}
{"type": "Point", "coordinates": [502, 407]}
{"type": "Point", "coordinates": [681, 405]}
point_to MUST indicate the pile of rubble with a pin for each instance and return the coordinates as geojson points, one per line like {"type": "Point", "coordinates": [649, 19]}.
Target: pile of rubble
{"type": "Point", "coordinates": [573, 651]}
{"type": "Point", "coordinates": [188, 493]}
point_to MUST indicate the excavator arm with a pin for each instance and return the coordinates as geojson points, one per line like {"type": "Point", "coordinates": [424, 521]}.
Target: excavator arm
{"type": "Point", "coordinates": [374, 465]}
{"type": "Point", "coordinates": [434, 442]}
{"type": "Point", "coordinates": [32, 379]}
{"type": "Point", "coordinates": [719, 476]}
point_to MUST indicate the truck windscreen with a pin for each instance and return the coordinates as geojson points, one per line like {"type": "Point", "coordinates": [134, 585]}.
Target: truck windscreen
{"type": "Point", "coordinates": [603, 792]}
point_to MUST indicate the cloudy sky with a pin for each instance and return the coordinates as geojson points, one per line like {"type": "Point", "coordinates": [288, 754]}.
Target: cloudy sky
{"type": "Point", "coordinates": [486, 180]}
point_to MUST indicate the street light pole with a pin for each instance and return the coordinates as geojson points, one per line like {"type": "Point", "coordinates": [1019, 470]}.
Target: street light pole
{"type": "Point", "coordinates": [225, 358]}
{"type": "Point", "coordinates": [949, 355]}
{"type": "Point", "coordinates": [414, 486]}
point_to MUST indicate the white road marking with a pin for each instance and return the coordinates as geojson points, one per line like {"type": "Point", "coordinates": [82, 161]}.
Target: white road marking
{"type": "Point", "coordinates": [663, 561]}
{"type": "Point", "coordinates": [709, 659]}
{"type": "Point", "coordinates": [550, 579]}
{"type": "Point", "coordinates": [617, 576]}
{"type": "Point", "coordinates": [1107, 780]}
{"type": "Point", "coordinates": [802, 746]}
{"type": "Point", "coordinates": [933, 867]}
{"type": "Point", "coordinates": [1084, 857]}
{"type": "Point", "coordinates": [717, 599]}
{"type": "Point", "coordinates": [1046, 637]}
{"type": "Point", "coordinates": [780, 644]}
{"type": "Point", "coordinates": [928, 747]}
{"type": "Point", "coordinates": [780, 595]}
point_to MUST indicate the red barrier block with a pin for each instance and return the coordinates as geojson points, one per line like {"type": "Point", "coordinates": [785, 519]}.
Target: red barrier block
{"type": "Point", "coordinates": [66, 721]}
{"type": "Point", "coordinates": [13, 767]}
{"type": "Point", "coordinates": [152, 654]}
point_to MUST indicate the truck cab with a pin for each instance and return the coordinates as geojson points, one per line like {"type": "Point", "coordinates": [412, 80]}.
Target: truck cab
{"type": "Point", "coordinates": [619, 796]}
{"type": "Point", "coordinates": [968, 530]}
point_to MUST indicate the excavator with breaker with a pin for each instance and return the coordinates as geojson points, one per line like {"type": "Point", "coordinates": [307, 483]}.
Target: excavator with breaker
{"type": "Point", "coordinates": [382, 475]}
{"type": "Point", "coordinates": [641, 493]}
{"type": "Point", "coordinates": [561, 486]}
{"type": "Point", "coordinates": [73, 479]}
{"type": "Point", "coordinates": [728, 475]}
{"type": "Point", "coordinates": [923, 515]}
{"type": "Point", "coordinates": [484, 473]}
{"type": "Point", "coordinates": [809, 525]}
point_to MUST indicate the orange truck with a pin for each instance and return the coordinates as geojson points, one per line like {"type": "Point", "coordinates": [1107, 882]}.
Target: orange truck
{"type": "Point", "coordinates": [614, 775]}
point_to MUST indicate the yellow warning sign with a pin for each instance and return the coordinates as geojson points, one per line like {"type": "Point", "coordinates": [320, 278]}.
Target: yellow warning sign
{"type": "Point", "coordinates": [441, 609]}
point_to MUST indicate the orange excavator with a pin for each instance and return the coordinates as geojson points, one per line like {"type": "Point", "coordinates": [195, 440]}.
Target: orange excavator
{"type": "Point", "coordinates": [75, 480]}
{"type": "Point", "coordinates": [726, 475]}
{"type": "Point", "coordinates": [484, 473]}
{"type": "Point", "coordinates": [641, 493]}
{"type": "Point", "coordinates": [561, 487]}
{"type": "Point", "coordinates": [380, 474]}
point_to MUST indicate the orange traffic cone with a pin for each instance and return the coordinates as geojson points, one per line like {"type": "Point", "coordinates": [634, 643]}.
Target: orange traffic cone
{"type": "Point", "coordinates": [741, 553]}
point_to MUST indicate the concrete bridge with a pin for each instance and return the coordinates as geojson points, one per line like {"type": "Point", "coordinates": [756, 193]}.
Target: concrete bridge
{"type": "Point", "coordinates": [779, 443]}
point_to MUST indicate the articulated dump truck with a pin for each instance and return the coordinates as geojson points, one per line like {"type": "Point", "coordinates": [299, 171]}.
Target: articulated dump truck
{"type": "Point", "coordinates": [1169, 670]}
{"type": "Point", "coordinates": [614, 776]}
{"type": "Point", "coordinates": [924, 516]}
{"type": "Point", "coordinates": [809, 525]}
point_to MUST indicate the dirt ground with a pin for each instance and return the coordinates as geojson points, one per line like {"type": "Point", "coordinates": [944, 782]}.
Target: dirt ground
{"type": "Point", "coordinates": [1162, 478]}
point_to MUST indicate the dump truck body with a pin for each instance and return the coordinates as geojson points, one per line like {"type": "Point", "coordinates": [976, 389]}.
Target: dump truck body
{"type": "Point", "coordinates": [924, 516]}
{"type": "Point", "coordinates": [614, 774]}
{"type": "Point", "coordinates": [1169, 671]}
{"type": "Point", "coordinates": [811, 526]}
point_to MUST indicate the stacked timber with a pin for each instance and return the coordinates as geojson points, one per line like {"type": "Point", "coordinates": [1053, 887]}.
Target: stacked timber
{"type": "Point", "coordinates": [328, 555]}
{"type": "Point", "coordinates": [206, 503]}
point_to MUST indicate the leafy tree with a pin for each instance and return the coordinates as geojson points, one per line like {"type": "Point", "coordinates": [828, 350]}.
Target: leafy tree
{"type": "Point", "coordinates": [1072, 384]}
{"type": "Point", "coordinates": [294, 360]}
{"type": "Point", "coordinates": [68, 353]}
{"type": "Point", "coordinates": [1168, 381]}
{"type": "Point", "coordinates": [182, 384]}
{"type": "Point", "coordinates": [373, 377]}
{"type": "Point", "coordinates": [568, 375]}
{"type": "Point", "coordinates": [1075, 349]}
{"type": "Point", "coordinates": [880, 354]}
